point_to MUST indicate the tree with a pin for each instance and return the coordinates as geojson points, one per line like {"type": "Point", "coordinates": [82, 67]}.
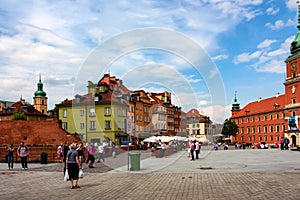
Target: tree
{"type": "Point", "coordinates": [18, 116]}
{"type": "Point", "coordinates": [229, 128]}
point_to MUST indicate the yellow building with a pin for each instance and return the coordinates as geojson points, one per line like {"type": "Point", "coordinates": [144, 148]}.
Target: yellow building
{"type": "Point", "coordinates": [98, 115]}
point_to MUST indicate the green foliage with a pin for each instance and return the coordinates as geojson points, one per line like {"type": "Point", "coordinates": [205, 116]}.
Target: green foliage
{"type": "Point", "coordinates": [229, 128]}
{"type": "Point", "coordinates": [18, 116]}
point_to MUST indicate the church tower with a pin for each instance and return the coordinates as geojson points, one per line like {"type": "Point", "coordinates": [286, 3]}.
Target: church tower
{"type": "Point", "coordinates": [40, 99]}
{"type": "Point", "coordinates": [235, 106]}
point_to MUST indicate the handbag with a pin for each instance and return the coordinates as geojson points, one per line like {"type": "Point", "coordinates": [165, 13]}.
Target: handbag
{"type": "Point", "coordinates": [81, 174]}
{"type": "Point", "coordinates": [66, 177]}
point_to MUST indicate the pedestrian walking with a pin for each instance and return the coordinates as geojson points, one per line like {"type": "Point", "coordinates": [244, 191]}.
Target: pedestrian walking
{"type": "Point", "coordinates": [66, 148]}
{"type": "Point", "coordinates": [282, 143]}
{"type": "Point", "coordinates": [10, 156]}
{"type": "Point", "coordinates": [100, 153]}
{"type": "Point", "coordinates": [59, 153]}
{"type": "Point", "coordinates": [81, 156]}
{"type": "Point", "coordinates": [91, 158]}
{"type": "Point", "coordinates": [192, 146]}
{"type": "Point", "coordinates": [197, 149]}
{"type": "Point", "coordinates": [73, 166]}
{"type": "Point", "coordinates": [23, 153]}
{"type": "Point", "coordinates": [114, 150]}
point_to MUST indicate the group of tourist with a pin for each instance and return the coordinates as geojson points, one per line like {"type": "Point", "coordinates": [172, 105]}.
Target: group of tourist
{"type": "Point", "coordinates": [75, 155]}
{"type": "Point", "coordinates": [22, 152]}
{"type": "Point", "coordinates": [194, 147]}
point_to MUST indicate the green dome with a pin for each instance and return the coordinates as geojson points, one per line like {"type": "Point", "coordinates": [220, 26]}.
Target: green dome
{"type": "Point", "coordinates": [40, 92]}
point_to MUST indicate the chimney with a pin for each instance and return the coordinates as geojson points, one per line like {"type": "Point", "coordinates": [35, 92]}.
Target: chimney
{"type": "Point", "coordinates": [259, 99]}
{"type": "Point", "coordinates": [22, 101]}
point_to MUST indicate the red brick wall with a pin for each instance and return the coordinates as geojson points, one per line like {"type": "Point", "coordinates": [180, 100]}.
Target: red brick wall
{"type": "Point", "coordinates": [40, 136]}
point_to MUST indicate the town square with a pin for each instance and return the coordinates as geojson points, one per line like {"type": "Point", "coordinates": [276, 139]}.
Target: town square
{"type": "Point", "coordinates": [179, 99]}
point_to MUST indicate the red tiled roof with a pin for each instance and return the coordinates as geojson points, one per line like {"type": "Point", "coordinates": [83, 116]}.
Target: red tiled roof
{"type": "Point", "coordinates": [262, 106]}
{"type": "Point", "coordinates": [193, 113]}
{"type": "Point", "coordinates": [21, 107]}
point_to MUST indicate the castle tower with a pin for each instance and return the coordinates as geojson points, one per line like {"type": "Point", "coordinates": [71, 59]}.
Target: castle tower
{"type": "Point", "coordinates": [40, 99]}
{"type": "Point", "coordinates": [292, 82]}
{"type": "Point", "coordinates": [235, 106]}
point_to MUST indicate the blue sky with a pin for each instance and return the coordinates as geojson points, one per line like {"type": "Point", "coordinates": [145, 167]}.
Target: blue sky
{"type": "Point", "coordinates": [244, 46]}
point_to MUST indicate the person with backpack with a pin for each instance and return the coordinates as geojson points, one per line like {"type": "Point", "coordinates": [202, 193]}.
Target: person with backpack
{"type": "Point", "coordinates": [23, 153]}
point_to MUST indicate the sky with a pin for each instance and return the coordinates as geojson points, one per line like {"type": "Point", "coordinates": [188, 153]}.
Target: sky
{"type": "Point", "coordinates": [202, 51]}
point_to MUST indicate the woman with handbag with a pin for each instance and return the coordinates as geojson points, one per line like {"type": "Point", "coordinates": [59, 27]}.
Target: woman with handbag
{"type": "Point", "coordinates": [73, 165]}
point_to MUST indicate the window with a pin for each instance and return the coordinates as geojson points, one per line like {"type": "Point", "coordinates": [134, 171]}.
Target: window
{"type": "Point", "coordinates": [65, 125]}
{"type": "Point", "coordinates": [293, 100]}
{"type": "Point", "coordinates": [277, 116]}
{"type": "Point", "coordinates": [266, 138]}
{"type": "Point", "coordinates": [107, 124]}
{"type": "Point", "coordinates": [92, 112]}
{"type": "Point", "coordinates": [136, 117]}
{"type": "Point", "coordinates": [81, 112]}
{"type": "Point", "coordinates": [92, 125]}
{"type": "Point", "coordinates": [258, 128]}
{"type": "Point", "coordinates": [266, 129]}
{"type": "Point", "coordinates": [253, 129]}
{"type": "Point", "coordinates": [271, 117]}
{"type": "Point", "coordinates": [277, 128]}
{"type": "Point", "coordinates": [294, 113]}
{"type": "Point", "coordinates": [271, 128]}
{"type": "Point", "coordinates": [248, 129]}
{"type": "Point", "coordinates": [65, 113]}
{"type": "Point", "coordinates": [107, 111]}
{"type": "Point", "coordinates": [81, 125]}
{"type": "Point", "coordinates": [266, 117]}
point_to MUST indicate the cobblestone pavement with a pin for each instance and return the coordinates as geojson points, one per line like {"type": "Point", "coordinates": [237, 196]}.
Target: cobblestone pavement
{"type": "Point", "coordinates": [236, 174]}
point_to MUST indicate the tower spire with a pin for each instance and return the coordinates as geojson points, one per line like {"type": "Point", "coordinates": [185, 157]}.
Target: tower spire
{"type": "Point", "coordinates": [235, 104]}
{"type": "Point", "coordinates": [295, 45]}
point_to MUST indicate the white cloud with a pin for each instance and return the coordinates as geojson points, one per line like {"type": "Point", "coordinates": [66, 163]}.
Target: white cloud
{"type": "Point", "coordinates": [217, 113]}
{"type": "Point", "coordinates": [291, 4]}
{"type": "Point", "coordinates": [265, 43]}
{"type": "Point", "coordinates": [272, 11]}
{"type": "Point", "coordinates": [272, 66]}
{"type": "Point", "coordinates": [277, 25]}
{"type": "Point", "coordinates": [280, 24]}
{"type": "Point", "coordinates": [267, 60]}
{"type": "Point", "coordinates": [247, 57]}
{"type": "Point", "coordinates": [220, 57]}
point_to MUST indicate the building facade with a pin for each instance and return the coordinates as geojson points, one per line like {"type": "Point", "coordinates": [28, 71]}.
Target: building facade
{"type": "Point", "coordinates": [197, 124]}
{"type": "Point", "coordinates": [268, 120]}
{"type": "Point", "coordinates": [98, 115]}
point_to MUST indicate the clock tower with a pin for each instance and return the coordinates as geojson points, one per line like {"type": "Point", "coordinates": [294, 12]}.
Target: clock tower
{"type": "Point", "coordinates": [292, 82]}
